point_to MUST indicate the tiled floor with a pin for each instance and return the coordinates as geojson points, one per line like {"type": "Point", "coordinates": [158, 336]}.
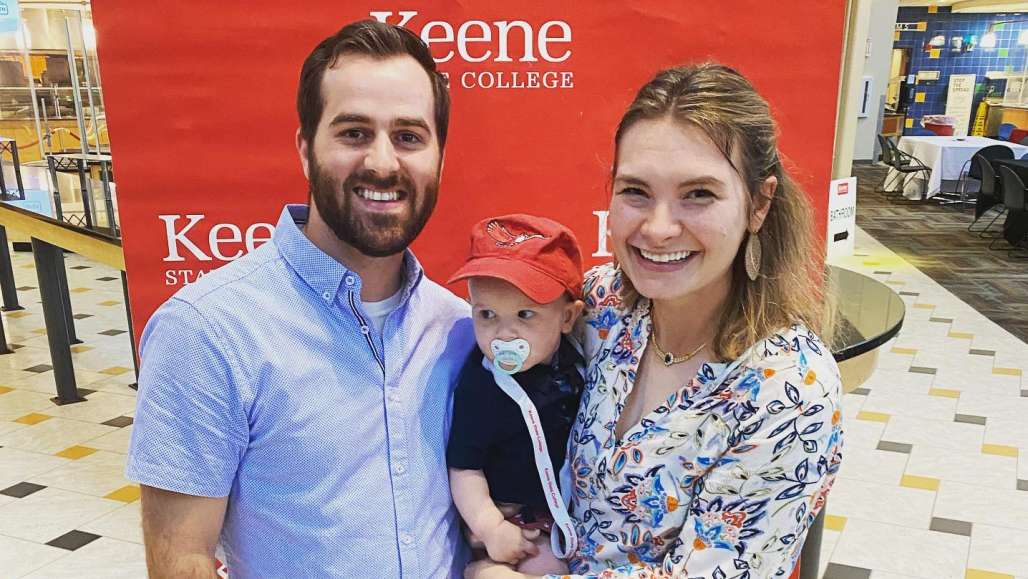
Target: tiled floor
{"type": "Point", "coordinates": [932, 484]}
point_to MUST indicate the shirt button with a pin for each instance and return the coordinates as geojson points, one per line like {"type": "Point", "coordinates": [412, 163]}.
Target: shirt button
{"type": "Point", "coordinates": [327, 295]}
{"type": "Point", "coordinates": [406, 540]}
{"type": "Point", "coordinates": [349, 280]}
{"type": "Point", "coordinates": [394, 397]}
{"type": "Point", "coordinates": [365, 329]}
{"type": "Point", "coordinates": [400, 469]}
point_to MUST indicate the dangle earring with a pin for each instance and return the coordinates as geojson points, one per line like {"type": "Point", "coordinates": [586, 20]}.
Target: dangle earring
{"type": "Point", "coordinates": [753, 256]}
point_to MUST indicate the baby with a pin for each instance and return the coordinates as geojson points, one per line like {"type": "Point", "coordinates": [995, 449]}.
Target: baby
{"type": "Point", "coordinates": [518, 394]}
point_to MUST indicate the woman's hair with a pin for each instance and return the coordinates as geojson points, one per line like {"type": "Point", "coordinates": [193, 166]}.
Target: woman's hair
{"type": "Point", "coordinates": [792, 286]}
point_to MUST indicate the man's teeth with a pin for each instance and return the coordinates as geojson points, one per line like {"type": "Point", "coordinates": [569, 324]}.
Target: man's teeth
{"type": "Point", "coordinates": [665, 257]}
{"type": "Point", "coordinates": [373, 195]}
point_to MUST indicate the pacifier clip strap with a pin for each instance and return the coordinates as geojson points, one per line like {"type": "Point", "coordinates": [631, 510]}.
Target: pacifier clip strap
{"type": "Point", "coordinates": [544, 466]}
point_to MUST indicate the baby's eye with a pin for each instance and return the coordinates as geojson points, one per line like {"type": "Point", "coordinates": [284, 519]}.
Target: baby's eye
{"type": "Point", "coordinates": [526, 314]}
{"type": "Point", "coordinates": [486, 314]}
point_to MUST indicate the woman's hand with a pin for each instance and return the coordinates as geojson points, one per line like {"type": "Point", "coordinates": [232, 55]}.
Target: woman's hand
{"type": "Point", "coordinates": [489, 569]}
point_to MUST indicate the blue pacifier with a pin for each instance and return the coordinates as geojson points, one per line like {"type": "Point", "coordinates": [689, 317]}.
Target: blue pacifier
{"type": "Point", "coordinates": [509, 356]}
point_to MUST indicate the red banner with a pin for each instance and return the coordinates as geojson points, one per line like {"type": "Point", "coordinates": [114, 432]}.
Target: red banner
{"type": "Point", "coordinates": [202, 117]}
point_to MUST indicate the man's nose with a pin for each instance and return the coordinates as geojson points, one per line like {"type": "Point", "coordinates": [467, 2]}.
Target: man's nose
{"type": "Point", "coordinates": [381, 157]}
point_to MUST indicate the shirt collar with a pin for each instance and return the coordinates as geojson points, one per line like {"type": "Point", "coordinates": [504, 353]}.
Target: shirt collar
{"type": "Point", "coordinates": [321, 271]}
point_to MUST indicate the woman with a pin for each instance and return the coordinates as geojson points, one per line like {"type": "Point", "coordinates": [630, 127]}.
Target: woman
{"type": "Point", "coordinates": [708, 434]}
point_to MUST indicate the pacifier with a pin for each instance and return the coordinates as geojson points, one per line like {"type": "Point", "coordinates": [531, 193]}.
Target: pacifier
{"type": "Point", "coordinates": [509, 356]}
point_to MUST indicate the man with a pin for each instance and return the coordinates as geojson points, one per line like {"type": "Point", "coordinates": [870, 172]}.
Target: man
{"type": "Point", "coordinates": [294, 405]}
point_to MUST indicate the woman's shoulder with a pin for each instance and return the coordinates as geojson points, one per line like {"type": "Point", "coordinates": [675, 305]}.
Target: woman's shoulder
{"type": "Point", "coordinates": [798, 352]}
{"type": "Point", "coordinates": [602, 286]}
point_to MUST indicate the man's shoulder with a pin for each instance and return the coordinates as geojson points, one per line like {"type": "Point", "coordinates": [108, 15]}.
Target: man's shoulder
{"type": "Point", "coordinates": [442, 302]}
{"type": "Point", "coordinates": [227, 282]}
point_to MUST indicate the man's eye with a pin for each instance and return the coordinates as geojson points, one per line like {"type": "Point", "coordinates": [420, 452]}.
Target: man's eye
{"type": "Point", "coordinates": [352, 134]}
{"type": "Point", "coordinates": [526, 314]}
{"type": "Point", "coordinates": [409, 138]}
{"type": "Point", "coordinates": [486, 314]}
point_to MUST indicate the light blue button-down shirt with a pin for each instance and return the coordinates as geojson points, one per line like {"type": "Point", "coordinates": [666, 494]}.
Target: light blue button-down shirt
{"type": "Point", "coordinates": [266, 382]}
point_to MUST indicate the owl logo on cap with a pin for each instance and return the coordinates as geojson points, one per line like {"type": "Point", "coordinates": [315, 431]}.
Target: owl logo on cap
{"type": "Point", "coordinates": [504, 238]}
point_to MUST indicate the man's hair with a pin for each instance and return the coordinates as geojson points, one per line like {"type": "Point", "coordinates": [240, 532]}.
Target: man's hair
{"type": "Point", "coordinates": [377, 40]}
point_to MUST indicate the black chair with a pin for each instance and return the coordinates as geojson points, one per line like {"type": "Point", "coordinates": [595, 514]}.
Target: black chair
{"type": "Point", "coordinates": [973, 171]}
{"type": "Point", "coordinates": [1015, 227]}
{"type": "Point", "coordinates": [906, 164]}
{"type": "Point", "coordinates": [989, 194]}
{"type": "Point", "coordinates": [885, 143]}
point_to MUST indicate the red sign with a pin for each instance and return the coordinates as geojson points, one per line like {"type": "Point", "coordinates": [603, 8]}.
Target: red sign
{"type": "Point", "coordinates": [202, 117]}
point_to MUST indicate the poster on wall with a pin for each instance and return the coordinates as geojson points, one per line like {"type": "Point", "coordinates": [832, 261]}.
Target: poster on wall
{"type": "Point", "coordinates": [203, 126]}
{"type": "Point", "coordinates": [958, 101]}
{"type": "Point", "coordinates": [842, 217]}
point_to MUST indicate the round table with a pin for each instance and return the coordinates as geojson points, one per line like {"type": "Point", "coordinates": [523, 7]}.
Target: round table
{"type": "Point", "coordinates": [870, 314]}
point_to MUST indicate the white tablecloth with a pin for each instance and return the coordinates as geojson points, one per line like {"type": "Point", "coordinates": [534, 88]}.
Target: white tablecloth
{"type": "Point", "coordinates": [945, 156]}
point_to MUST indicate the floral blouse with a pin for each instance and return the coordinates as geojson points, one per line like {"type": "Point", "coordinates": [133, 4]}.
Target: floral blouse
{"type": "Point", "coordinates": [720, 481]}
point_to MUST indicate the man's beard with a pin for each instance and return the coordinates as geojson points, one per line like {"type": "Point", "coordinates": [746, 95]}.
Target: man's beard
{"type": "Point", "coordinates": [373, 234]}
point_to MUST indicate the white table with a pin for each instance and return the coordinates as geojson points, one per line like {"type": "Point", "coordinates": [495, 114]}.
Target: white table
{"type": "Point", "coordinates": [945, 156]}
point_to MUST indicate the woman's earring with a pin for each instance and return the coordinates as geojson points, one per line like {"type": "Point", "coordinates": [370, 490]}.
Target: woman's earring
{"type": "Point", "coordinates": [753, 255]}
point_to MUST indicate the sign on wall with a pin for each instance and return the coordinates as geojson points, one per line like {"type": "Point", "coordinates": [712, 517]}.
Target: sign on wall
{"type": "Point", "coordinates": [201, 111]}
{"type": "Point", "coordinates": [958, 101]}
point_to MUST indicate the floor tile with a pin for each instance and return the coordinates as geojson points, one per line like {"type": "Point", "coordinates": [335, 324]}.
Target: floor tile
{"type": "Point", "coordinates": [944, 433]}
{"type": "Point", "coordinates": [871, 465]}
{"type": "Point", "coordinates": [21, 490]}
{"type": "Point", "coordinates": [100, 407]}
{"type": "Point", "coordinates": [962, 528]}
{"type": "Point", "coordinates": [896, 505]}
{"type": "Point", "coordinates": [73, 540]}
{"type": "Point", "coordinates": [19, 402]}
{"type": "Point", "coordinates": [53, 435]}
{"type": "Point", "coordinates": [97, 474]}
{"type": "Point", "coordinates": [837, 571]}
{"type": "Point", "coordinates": [18, 465]}
{"type": "Point", "coordinates": [963, 502]}
{"type": "Point", "coordinates": [124, 524]}
{"type": "Point", "coordinates": [890, 548]}
{"type": "Point", "coordinates": [50, 513]}
{"type": "Point", "coordinates": [19, 557]}
{"type": "Point", "coordinates": [998, 550]}
{"type": "Point", "coordinates": [117, 559]}
{"type": "Point", "coordinates": [966, 467]}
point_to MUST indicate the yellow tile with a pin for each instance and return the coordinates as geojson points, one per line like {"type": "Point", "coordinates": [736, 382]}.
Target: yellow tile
{"type": "Point", "coordinates": [924, 306]}
{"type": "Point", "coordinates": [33, 418]}
{"type": "Point", "coordinates": [919, 97]}
{"type": "Point", "coordinates": [40, 331]}
{"type": "Point", "coordinates": [78, 349]}
{"type": "Point", "coordinates": [909, 123]}
{"type": "Point", "coordinates": [115, 370]}
{"type": "Point", "coordinates": [5, 389]}
{"type": "Point", "coordinates": [999, 450]}
{"type": "Point", "coordinates": [873, 416]}
{"type": "Point", "coordinates": [126, 494]}
{"type": "Point", "coordinates": [979, 574]}
{"type": "Point", "coordinates": [110, 303]}
{"type": "Point", "coordinates": [934, 53]}
{"type": "Point", "coordinates": [932, 9]}
{"type": "Point", "coordinates": [919, 482]}
{"type": "Point", "coordinates": [922, 26]}
{"type": "Point", "coordinates": [20, 314]}
{"type": "Point", "coordinates": [896, 36]}
{"type": "Point", "coordinates": [835, 522]}
{"type": "Point", "coordinates": [75, 452]}
{"type": "Point", "coordinates": [872, 263]}
{"type": "Point", "coordinates": [79, 290]}
{"type": "Point", "coordinates": [1007, 371]}
{"type": "Point", "coordinates": [910, 351]}
{"type": "Point", "coordinates": [962, 335]}
{"type": "Point", "coordinates": [896, 282]}
{"type": "Point", "coordinates": [944, 392]}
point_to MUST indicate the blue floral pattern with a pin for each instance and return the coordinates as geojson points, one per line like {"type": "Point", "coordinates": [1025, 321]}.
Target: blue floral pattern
{"type": "Point", "coordinates": [724, 478]}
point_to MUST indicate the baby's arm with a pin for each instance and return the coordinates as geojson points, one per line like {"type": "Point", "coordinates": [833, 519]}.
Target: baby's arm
{"type": "Point", "coordinates": [503, 540]}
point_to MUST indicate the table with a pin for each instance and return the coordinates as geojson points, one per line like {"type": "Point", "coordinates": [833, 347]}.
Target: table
{"type": "Point", "coordinates": [80, 163]}
{"type": "Point", "coordinates": [945, 156]}
{"type": "Point", "coordinates": [11, 146]}
{"type": "Point", "coordinates": [870, 314]}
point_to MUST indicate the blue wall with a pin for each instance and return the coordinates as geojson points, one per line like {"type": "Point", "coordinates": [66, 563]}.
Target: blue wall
{"type": "Point", "coordinates": [977, 62]}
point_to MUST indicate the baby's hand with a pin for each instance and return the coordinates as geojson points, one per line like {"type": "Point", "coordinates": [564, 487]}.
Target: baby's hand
{"type": "Point", "coordinates": [506, 543]}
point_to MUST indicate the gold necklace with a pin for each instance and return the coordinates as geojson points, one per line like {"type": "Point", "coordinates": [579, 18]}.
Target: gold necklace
{"type": "Point", "coordinates": [668, 358]}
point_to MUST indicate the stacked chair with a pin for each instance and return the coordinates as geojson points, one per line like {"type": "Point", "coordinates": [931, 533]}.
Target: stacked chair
{"type": "Point", "coordinates": [1015, 227]}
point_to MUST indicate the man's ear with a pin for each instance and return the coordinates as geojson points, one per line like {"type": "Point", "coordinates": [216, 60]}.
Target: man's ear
{"type": "Point", "coordinates": [763, 203]}
{"type": "Point", "coordinates": [572, 310]}
{"type": "Point", "coordinates": [301, 149]}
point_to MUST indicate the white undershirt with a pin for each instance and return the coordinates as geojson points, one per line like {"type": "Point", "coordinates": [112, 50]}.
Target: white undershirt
{"type": "Point", "coordinates": [379, 311]}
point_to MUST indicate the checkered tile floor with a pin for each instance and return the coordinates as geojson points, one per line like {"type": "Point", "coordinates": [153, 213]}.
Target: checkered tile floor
{"type": "Point", "coordinates": [932, 485]}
